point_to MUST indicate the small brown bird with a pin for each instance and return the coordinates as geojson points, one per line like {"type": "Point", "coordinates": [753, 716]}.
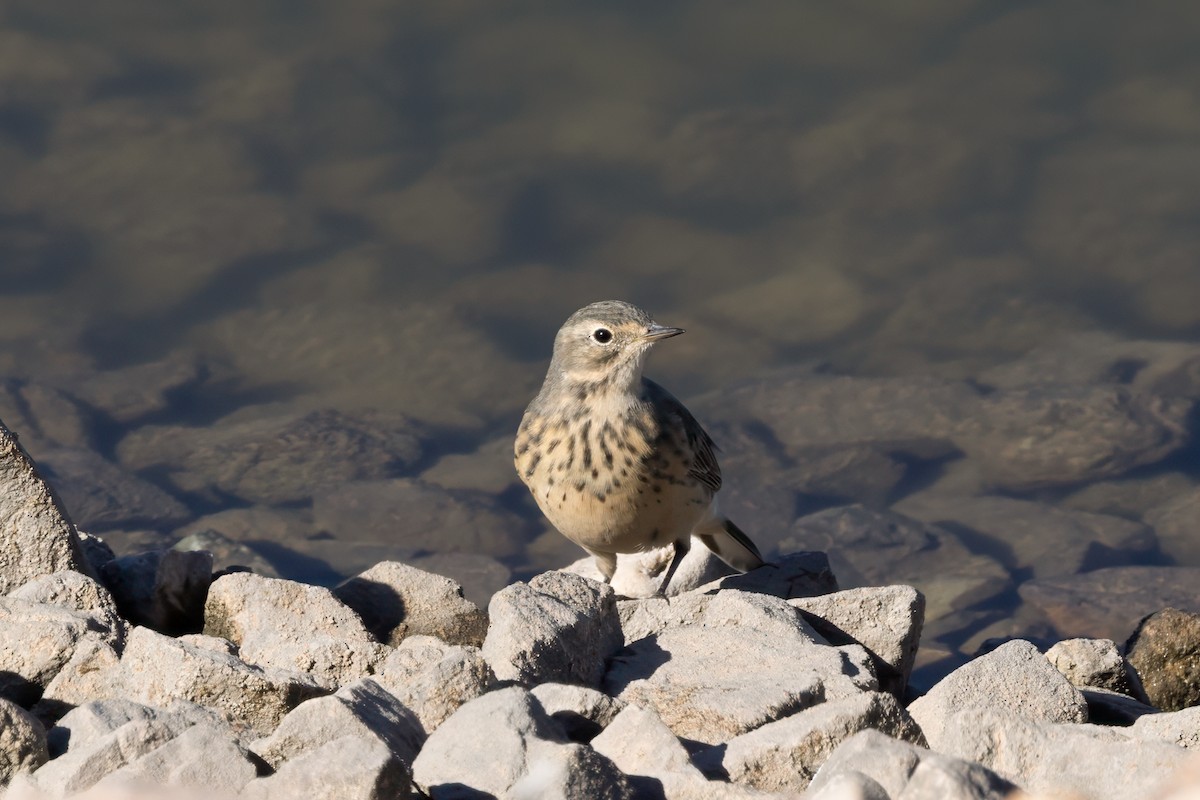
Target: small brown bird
{"type": "Point", "coordinates": [614, 461]}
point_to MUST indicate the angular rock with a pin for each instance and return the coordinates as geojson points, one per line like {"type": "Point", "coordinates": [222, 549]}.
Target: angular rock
{"type": "Point", "coordinates": [907, 771]}
{"type": "Point", "coordinates": [130, 393]}
{"type": "Point", "coordinates": [1095, 663]}
{"type": "Point", "coordinates": [581, 712]}
{"type": "Point", "coordinates": [784, 755]}
{"type": "Point", "coordinates": [289, 625]}
{"type": "Point", "coordinates": [433, 678]}
{"type": "Point", "coordinates": [164, 590]}
{"type": "Point", "coordinates": [1107, 707]}
{"type": "Point", "coordinates": [1014, 677]}
{"type": "Point", "coordinates": [363, 709]}
{"type": "Point", "coordinates": [349, 768]}
{"type": "Point", "coordinates": [1036, 538]}
{"type": "Point", "coordinates": [1165, 651]}
{"type": "Point", "coordinates": [156, 670]}
{"type": "Point", "coordinates": [421, 515]}
{"type": "Point", "coordinates": [1177, 524]}
{"type": "Point", "coordinates": [100, 494]}
{"type": "Point", "coordinates": [76, 591]}
{"type": "Point", "coordinates": [745, 660]}
{"type": "Point", "coordinates": [495, 742]}
{"type": "Point", "coordinates": [886, 621]}
{"type": "Point", "coordinates": [395, 600]}
{"type": "Point", "coordinates": [481, 575]}
{"type": "Point", "coordinates": [36, 642]}
{"type": "Point", "coordinates": [1055, 759]}
{"type": "Point", "coordinates": [36, 537]}
{"type": "Point", "coordinates": [22, 742]}
{"type": "Point", "coordinates": [87, 723]}
{"type": "Point", "coordinates": [558, 627]}
{"type": "Point", "coordinates": [1180, 728]}
{"type": "Point", "coordinates": [1109, 603]}
{"type": "Point", "coordinates": [266, 455]}
{"type": "Point", "coordinates": [849, 785]}
{"type": "Point", "coordinates": [796, 574]}
{"type": "Point", "coordinates": [227, 555]}
{"type": "Point", "coordinates": [205, 756]}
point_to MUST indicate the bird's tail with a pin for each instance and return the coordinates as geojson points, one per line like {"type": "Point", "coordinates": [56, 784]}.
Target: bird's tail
{"type": "Point", "coordinates": [730, 544]}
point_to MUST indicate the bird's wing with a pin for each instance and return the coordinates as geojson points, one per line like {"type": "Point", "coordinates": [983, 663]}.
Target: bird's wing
{"type": "Point", "coordinates": [704, 451]}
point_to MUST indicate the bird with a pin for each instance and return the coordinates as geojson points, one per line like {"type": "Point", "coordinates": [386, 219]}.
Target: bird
{"type": "Point", "coordinates": [615, 462]}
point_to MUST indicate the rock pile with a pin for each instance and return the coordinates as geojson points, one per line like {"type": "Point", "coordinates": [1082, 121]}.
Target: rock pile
{"type": "Point", "coordinates": [392, 685]}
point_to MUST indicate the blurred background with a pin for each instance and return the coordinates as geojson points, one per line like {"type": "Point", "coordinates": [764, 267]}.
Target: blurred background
{"type": "Point", "coordinates": [281, 277]}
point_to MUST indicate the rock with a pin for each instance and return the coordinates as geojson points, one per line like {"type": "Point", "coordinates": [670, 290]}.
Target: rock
{"type": "Point", "coordinates": [36, 538]}
{"type": "Point", "coordinates": [349, 768]}
{"type": "Point", "coordinates": [37, 640]}
{"type": "Point", "coordinates": [363, 709]}
{"type": "Point", "coordinates": [1014, 677]}
{"type": "Point", "coordinates": [164, 590]}
{"type": "Point", "coordinates": [1036, 538]}
{"type": "Point", "coordinates": [886, 621]}
{"type": "Point", "coordinates": [1107, 707]}
{"type": "Point", "coordinates": [100, 494]}
{"type": "Point", "coordinates": [849, 785]}
{"type": "Point", "coordinates": [481, 575]}
{"type": "Point", "coordinates": [504, 744]}
{"type": "Point", "coordinates": [433, 678]}
{"type": "Point", "coordinates": [1177, 523]}
{"type": "Point", "coordinates": [395, 601]}
{"type": "Point", "coordinates": [1165, 651]}
{"type": "Point", "coordinates": [1130, 497]}
{"type": "Point", "coordinates": [1108, 603]}
{"type": "Point", "coordinates": [797, 574]}
{"type": "Point", "coordinates": [907, 771]}
{"type": "Point", "coordinates": [1181, 728]}
{"type": "Point", "coordinates": [76, 591]}
{"type": "Point", "coordinates": [869, 548]}
{"type": "Point", "coordinates": [95, 719]}
{"type": "Point", "coordinates": [784, 755]}
{"type": "Point", "coordinates": [134, 392]}
{"type": "Point", "coordinates": [1095, 663]}
{"type": "Point", "coordinates": [227, 555]}
{"type": "Point", "coordinates": [265, 455]}
{"type": "Point", "coordinates": [581, 712]}
{"type": "Point", "coordinates": [420, 515]}
{"type": "Point", "coordinates": [205, 756]}
{"type": "Point", "coordinates": [22, 742]}
{"type": "Point", "coordinates": [96, 550]}
{"type": "Point", "coordinates": [641, 574]}
{"type": "Point", "coordinates": [743, 661]}
{"type": "Point", "coordinates": [289, 625]}
{"type": "Point", "coordinates": [1056, 759]}
{"type": "Point", "coordinates": [156, 670]}
{"type": "Point", "coordinates": [558, 627]}
{"type": "Point", "coordinates": [51, 417]}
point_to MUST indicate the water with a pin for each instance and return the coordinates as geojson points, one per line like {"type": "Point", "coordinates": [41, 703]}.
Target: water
{"type": "Point", "coordinates": [393, 206]}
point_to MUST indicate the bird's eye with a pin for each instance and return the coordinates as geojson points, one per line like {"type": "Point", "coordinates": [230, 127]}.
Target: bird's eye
{"type": "Point", "coordinates": [602, 335]}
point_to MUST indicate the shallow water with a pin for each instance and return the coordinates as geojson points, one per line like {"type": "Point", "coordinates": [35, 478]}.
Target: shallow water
{"type": "Point", "coordinates": [391, 206]}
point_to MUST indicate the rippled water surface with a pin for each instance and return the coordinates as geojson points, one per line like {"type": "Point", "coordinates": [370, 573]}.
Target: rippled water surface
{"type": "Point", "coordinates": [216, 215]}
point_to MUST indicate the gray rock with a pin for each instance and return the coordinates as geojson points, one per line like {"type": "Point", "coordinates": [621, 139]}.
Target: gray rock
{"type": "Point", "coordinates": [226, 553]}
{"type": "Point", "coordinates": [47, 416]}
{"type": "Point", "coordinates": [1036, 538]}
{"type": "Point", "coordinates": [36, 538]}
{"type": "Point", "coordinates": [505, 738]}
{"type": "Point", "coordinates": [395, 601]}
{"type": "Point", "coordinates": [581, 712]}
{"type": "Point", "coordinates": [481, 575]}
{"type": "Point", "coordinates": [131, 393]}
{"type": "Point", "coordinates": [95, 550]}
{"type": "Point", "coordinates": [87, 723]}
{"type": "Point", "coordinates": [641, 574]}
{"type": "Point", "coordinates": [1106, 707]}
{"type": "Point", "coordinates": [796, 574]}
{"type": "Point", "coordinates": [1177, 523]}
{"type": "Point", "coordinates": [872, 548]}
{"type": "Point", "coordinates": [76, 591]}
{"type": "Point", "coordinates": [886, 621]}
{"type": "Point", "coordinates": [1091, 760]}
{"type": "Point", "coordinates": [1180, 728]}
{"type": "Point", "coordinates": [1130, 497]}
{"type": "Point", "coordinates": [421, 515]}
{"type": "Point", "coordinates": [907, 771]}
{"type": "Point", "coordinates": [785, 754]}
{"type": "Point", "coordinates": [156, 670]}
{"type": "Point", "coordinates": [205, 756]}
{"type": "Point", "coordinates": [289, 625]}
{"type": "Point", "coordinates": [849, 785]}
{"type": "Point", "coordinates": [36, 642]}
{"type": "Point", "coordinates": [433, 678]}
{"type": "Point", "coordinates": [743, 661]}
{"type": "Point", "coordinates": [164, 590]}
{"type": "Point", "coordinates": [22, 742]}
{"type": "Point", "coordinates": [363, 709]}
{"type": "Point", "coordinates": [1014, 677]}
{"type": "Point", "coordinates": [265, 455]}
{"type": "Point", "coordinates": [100, 494]}
{"type": "Point", "coordinates": [1095, 663]}
{"type": "Point", "coordinates": [349, 768]}
{"type": "Point", "coordinates": [1109, 603]}
{"type": "Point", "coordinates": [1165, 651]}
{"type": "Point", "coordinates": [558, 627]}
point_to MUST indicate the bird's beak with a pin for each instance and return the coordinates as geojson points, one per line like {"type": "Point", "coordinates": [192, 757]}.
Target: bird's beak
{"type": "Point", "coordinates": [656, 332]}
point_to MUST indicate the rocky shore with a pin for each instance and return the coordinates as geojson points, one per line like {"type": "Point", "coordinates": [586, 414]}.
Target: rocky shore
{"type": "Point", "coordinates": [158, 676]}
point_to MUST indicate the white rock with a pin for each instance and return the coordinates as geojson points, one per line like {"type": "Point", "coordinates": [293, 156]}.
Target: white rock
{"type": "Point", "coordinates": [1180, 728]}
{"type": "Point", "coordinates": [76, 591]}
{"type": "Point", "coordinates": [349, 768]}
{"type": "Point", "coordinates": [36, 642]}
{"type": "Point", "coordinates": [581, 712]}
{"type": "Point", "coordinates": [433, 678]}
{"type": "Point", "coordinates": [202, 757]}
{"type": "Point", "coordinates": [1095, 663]}
{"type": "Point", "coordinates": [22, 741]}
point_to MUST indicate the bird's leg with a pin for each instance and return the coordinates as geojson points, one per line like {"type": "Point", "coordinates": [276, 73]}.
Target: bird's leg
{"type": "Point", "coordinates": [681, 550]}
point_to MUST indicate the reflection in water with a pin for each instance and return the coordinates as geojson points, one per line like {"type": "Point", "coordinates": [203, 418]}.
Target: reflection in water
{"type": "Point", "coordinates": [219, 219]}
